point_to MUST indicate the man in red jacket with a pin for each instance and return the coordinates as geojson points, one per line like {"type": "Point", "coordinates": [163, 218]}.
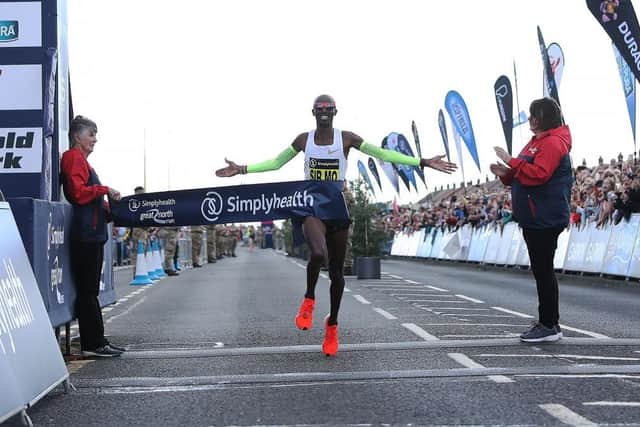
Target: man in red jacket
{"type": "Point", "coordinates": [83, 190]}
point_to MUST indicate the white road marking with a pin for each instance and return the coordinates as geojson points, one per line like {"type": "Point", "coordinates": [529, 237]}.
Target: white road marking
{"type": "Point", "coordinates": [123, 299]}
{"type": "Point", "coordinates": [347, 289]}
{"type": "Point", "coordinates": [460, 308]}
{"type": "Point", "coordinates": [385, 313]}
{"type": "Point", "coordinates": [361, 299]}
{"type": "Point", "coordinates": [482, 336]}
{"type": "Point", "coordinates": [606, 403]}
{"type": "Point", "coordinates": [582, 331]}
{"type": "Point", "coordinates": [300, 265]}
{"type": "Point", "coordinates": [566, 415]}
{"type": "Point", "coordinates": [411, 281]}
{"type": "Point", "coordinates": [568, 356]}
{"type": "Point", "coordinates": [468, 363]}
{"type": "Point", "coordinates": [572, 376]}
{"type": "Point", "coordinates": [477, 301]}
{"type": "Point", "coordinates": [430, 300]}
{"type": "Point", "coordinates": [107, 309]}
{"type": "Point", "coordinates": [472, 324]}
{"type": "Point", "coordinates": [420, 332]}
{"type": "Point", "coordinates": [140, 301]}
{"type": "Point", "coordinates": [399, 284]}
{"type": "Point", "coordinates": [437, 289]}
{"type": "Point", "coordinates": [324, 275]}
{"type": "Point", "coordinates": [384, 272]}
{"type": "Point", "coordinates": [515, 313]}
{"type": "Point", "coordinates": [476, 315]}
{"type": "Point", "coordinates": [395, 277]}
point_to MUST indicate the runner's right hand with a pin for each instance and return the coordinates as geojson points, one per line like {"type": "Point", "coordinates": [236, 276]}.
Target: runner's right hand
{"type": "Point", "coordinates": [231, 170]}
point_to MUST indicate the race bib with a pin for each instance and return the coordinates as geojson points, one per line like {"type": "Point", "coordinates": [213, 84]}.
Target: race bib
{"type": "Point", "coordinates": [324, 169]}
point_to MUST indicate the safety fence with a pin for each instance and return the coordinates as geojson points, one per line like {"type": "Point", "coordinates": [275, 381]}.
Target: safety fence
{"type": "Point", "coordinates": [611, 249]}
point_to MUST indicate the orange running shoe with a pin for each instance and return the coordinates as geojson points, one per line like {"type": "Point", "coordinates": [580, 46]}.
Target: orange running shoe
{"type": "Point", "coordinates": [330, 344]}
{"type": "Point", "coordinates": [304, 319]}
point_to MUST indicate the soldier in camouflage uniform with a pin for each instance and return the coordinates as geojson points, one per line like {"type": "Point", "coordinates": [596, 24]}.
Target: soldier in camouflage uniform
{"type": "Point", "coordinates": [219, 240]}
{"type": "Point", "coordinates": [196, 244]}
{"type": "Point", "coordinates": [233, 240]}
{"type": "Point", "coordinates": [211, 244]}
{"type": "Point", "coordinates": [170, 236]}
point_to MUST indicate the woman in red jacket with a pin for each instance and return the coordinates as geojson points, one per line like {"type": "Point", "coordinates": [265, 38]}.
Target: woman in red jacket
{"type": "Point", "coordinates": [541, 178]}
{"type": "Point", "coordinates": [83, 190]}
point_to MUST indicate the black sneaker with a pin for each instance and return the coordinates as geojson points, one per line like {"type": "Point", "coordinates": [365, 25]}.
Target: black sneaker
{"type": "Point", "coordinates": [540, 333]}
{"type": "Point", "coordinates": [115, 347]}
{"type": "Point", "coordinates": [196, 265]}
{"type": "Point", "coordinates": [104, 351]}
{"type": "Point", "coordinates": [171, 272]}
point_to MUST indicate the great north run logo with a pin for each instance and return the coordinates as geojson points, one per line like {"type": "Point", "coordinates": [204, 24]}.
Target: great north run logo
{"type": "Point", "coordinates": [8, 31]}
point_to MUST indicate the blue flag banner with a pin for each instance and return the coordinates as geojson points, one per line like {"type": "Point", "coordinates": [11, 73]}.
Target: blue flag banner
{"type": "Point", "coordinates": [459, 115]}
{"type": "Point", "coordinates": [239, 203]}
{"type": "Point", "coordinates": [551, 88]}
{"type": "Point", "coordinates": [374, 171]}
{"type": "Point", "coordinates": [398, 173]}
{"type": "Point", "coordinates": [629, 87]}
{"type": "Point", "coordinates": [443, 132]}
{"type": "Point", "coordinates": [363, 171]}
{"type": "Point", "coordinates": [394, 141]}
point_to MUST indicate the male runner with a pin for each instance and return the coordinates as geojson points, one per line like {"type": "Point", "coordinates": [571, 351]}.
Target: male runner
{"type": "Point", "coordinates": [326, 150]}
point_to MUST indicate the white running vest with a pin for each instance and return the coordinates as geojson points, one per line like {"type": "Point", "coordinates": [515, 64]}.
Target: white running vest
{"type": "Point", "coordinates": [325, 162]}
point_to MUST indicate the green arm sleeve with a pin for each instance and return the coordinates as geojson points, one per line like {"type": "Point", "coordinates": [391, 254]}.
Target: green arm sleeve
{"type": "Point", "coordinates": [388, 155]}
{"type": "Point", "coordinates": [273, 164]}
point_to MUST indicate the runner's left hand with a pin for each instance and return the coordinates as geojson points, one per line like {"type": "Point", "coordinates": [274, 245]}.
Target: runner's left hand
{"type": "Point", "coordinates": [438, 164]}
{"type": "Point", "coordinates": [231, 170]}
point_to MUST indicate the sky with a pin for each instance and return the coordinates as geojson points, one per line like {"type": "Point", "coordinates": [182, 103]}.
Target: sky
{"type": "Point", "coordinates": [192, 82]}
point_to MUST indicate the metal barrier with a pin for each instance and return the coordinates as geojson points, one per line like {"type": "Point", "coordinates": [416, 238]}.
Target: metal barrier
{"type": "Point", "coordinates": [611, 249]}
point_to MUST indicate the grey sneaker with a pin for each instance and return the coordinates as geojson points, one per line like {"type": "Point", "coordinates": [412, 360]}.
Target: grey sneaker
{"type": "Point", "coordinates": [540, 333]}
{"type": "Point", "coordinates": [103, 351]}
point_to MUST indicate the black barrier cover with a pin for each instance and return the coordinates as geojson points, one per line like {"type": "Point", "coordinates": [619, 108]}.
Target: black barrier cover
{"type": "Point", "coordinates": [620, 22]}
{"type": "Point", "coordinates": [45, 228]}
{"type": "Point", "coordinates": [240, 203]}
{"type": "Point", "coordinates": [550, 81]}
{"type": "Point", "coordinates": [27, 343]}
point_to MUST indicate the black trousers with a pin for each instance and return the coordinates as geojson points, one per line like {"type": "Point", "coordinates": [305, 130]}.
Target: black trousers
{"type": "Point", "coordinates": [542, 244]}
{"type": "Point", "coordinates": [86, 267]}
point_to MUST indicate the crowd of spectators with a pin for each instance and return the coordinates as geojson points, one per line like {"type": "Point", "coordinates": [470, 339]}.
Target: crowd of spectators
{"type": "Point", "coordinates": [605, 194]}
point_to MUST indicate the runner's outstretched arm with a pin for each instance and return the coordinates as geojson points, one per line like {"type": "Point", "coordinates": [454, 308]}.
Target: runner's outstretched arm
{"type": "Point", "coordinates": [395, 157]}
{"type": "Point", "coordinates": [268, 165]}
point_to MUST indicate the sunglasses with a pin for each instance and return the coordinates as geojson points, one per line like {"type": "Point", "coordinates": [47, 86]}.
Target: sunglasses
{"type": "Point", "coordinates": [324, 106]}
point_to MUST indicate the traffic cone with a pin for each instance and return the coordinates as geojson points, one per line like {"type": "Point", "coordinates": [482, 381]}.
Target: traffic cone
{"type": "Point", "coordinates": [141, 277]}
{"type": "Point", "coordinates": [151, 265]}
{"type": "Point", "coordinates": [158, 264]}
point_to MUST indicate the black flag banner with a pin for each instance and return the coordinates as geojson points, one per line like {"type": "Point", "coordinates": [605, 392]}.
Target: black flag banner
{"type": "Point", "coordinates": [620, 22]}
{"type": "Point", "coordinates": [504, 102]}
{"type": "Point", "coordinates": [552, 88]}
{"type": "Point", "coordinates": [239, 203]}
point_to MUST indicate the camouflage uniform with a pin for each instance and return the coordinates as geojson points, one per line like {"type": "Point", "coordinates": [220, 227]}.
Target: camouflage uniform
{"type": "Point", "coordinates": [170, 235]}
{"type": "Point", "coordinates": [233, 240]}
{"type": "Point", "coordinates": [220, 229]}
{"type": "Point", "coordinates": [196, 243]}
{"type": "Point", "coordinates": [211, 243]}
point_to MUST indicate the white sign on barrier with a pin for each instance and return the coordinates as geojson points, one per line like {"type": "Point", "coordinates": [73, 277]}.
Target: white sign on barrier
{"type": "Point", "coordinates": [620, 247]}
{"type": "Point", "coordinates": [425, 244]}
{"type": "Point", "coordinates": [465, 242]}
{"type": "Point", "coordinates": [436, 247]}
{"type": "Point", "coordinates": [478, 246]}
{"type": "Point", "coordinates": [596, 248]}
{"type": "Point", "coordinates": [561, 249]}
{"type": "Point", "coordinates": [491, 255]}
{"type": "Point", "coordinates": [514, 248]}
{"type": "Point", "coordinates": [505, 242]}
{"type": "Point", "coordinates": [576, 249]}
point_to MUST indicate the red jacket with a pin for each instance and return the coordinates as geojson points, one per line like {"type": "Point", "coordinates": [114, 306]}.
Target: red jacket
{"type": "Point", "coordinates": [85, 193]}
{"type": "Point", "coordinates": [541, 179]}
